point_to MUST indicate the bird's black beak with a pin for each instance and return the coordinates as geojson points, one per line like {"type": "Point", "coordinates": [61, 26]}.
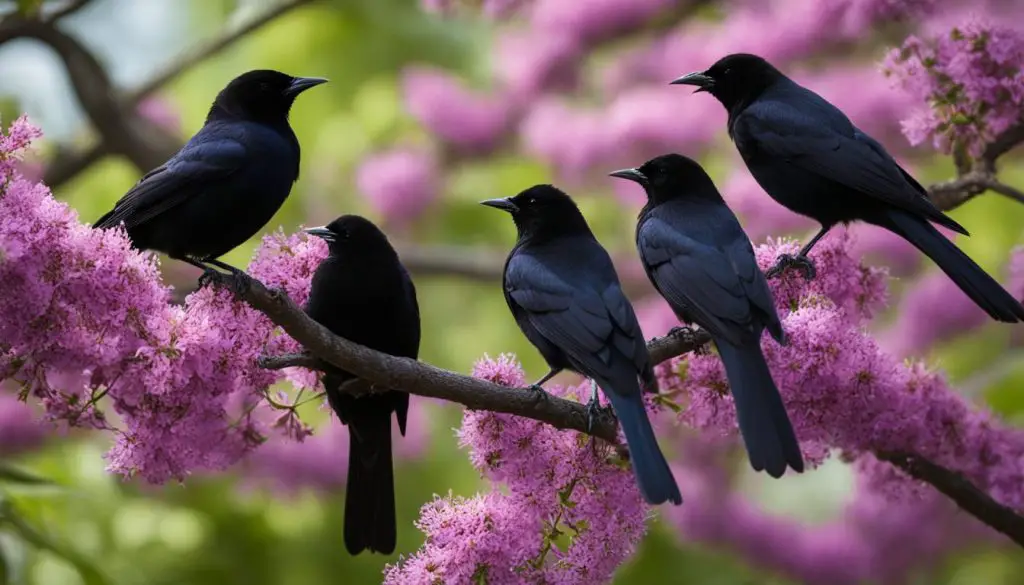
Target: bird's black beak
{"type": "Point", "coordinates": [630, 175]}
{"type": "Point", "coordinates": [703, 81]}
{"type": "Point", "coordinates": [301, 84]}
{"type": "Point", "coordinates": [321, 232]}
{"type": "Point", "coordinates": [503, 203]}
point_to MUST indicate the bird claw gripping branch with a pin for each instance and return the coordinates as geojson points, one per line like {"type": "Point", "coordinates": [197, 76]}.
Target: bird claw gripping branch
{"type": "Point", "coordinates": [787, 261]}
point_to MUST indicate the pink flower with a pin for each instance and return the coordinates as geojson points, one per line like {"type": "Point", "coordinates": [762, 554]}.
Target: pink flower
{"type": "Point", "coordinates": [934, 309]}
{"type": "Point", "coordinates": [557, 483]}
{"type": "Point", "coordinates": [971, 80]}
{"type": "Point", "coordinates": [19, 429]}
{"type": "Point", "coordinates": [400, 184]}
{"type": "Point", "coordinates": [466, 120]}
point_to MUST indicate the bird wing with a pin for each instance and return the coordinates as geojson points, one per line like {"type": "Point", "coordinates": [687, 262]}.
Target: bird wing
{"type": "Point", "coordinates": [184, 176]}
{"type": "Point", "coordinates": [593, 325]}
{"type": "Point", "coordinates": [854, 160]}
{"type": "Point", "coordinates": [719, 287]}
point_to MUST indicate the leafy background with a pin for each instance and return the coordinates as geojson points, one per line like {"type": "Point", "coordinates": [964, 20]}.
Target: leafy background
{"type": "Point", "coordinates": [64, 520]}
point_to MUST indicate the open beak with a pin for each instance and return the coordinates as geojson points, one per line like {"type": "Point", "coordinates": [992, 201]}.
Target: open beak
{"type": "Point", "coordinates": [698, 78]}
{"type": "Point", "coordinates": [321, 232]}
{"type": "Point", "coordinates": [630, 175]}
{"type": "Point", "coordinates": [301, 84]}
{"type": "Point", "coordinates": [503, 203]}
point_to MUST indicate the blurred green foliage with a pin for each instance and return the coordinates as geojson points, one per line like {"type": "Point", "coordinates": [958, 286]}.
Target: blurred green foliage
{"type": "Point", "coordinates": [65, 521]}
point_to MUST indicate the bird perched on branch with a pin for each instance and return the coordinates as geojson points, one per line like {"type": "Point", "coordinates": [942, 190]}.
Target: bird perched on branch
{"type": "Point", "coordinates": [565, 296]}
{"type": "Point", "coordinates": [807, 155]}
{"type": "Point", "coordinates": [701, 261]}
{"type": "Point", "coordinates": [227, 182]}
{"type": "Point", "coordinates": [363, 293]}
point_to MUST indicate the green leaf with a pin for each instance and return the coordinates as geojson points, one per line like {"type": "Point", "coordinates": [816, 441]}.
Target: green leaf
{"type": "Point", "coordinates": [12, 474]}
{"type": "Point", "coordinates": [13, 559]}
{"type": "Point", "coordinates": [90, 573]}
{"type": "Point", "coordinates": [29, 7]}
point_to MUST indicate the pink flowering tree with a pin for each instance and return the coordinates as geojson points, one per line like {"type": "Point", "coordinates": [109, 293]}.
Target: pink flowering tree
{"type": "Point", "coordinates": [93, 340]}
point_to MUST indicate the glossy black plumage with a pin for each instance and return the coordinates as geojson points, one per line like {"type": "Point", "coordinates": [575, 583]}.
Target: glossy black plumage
{"type": "Point", "coordinates": [700, 260]}
{"type": "Point", "coordinates": [564, 294]}
{"type": "Point", "coordinates": [807, 155]}
{"type": "Point", "coordinates": [227, 182]}
{"type": "Point", "coordinates": [362, 292]}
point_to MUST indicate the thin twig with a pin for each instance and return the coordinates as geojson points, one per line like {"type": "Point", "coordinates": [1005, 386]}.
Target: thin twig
{"type": "Point", "coordinates": [204, 51]}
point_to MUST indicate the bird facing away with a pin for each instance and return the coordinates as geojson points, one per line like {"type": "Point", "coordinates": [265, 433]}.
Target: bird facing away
{"type": "Point", "coordinates": [362, 292]}
{"type": "Point", "coordinates": [807, 155]}
{"type": "Point", "coordinates": [565, 296]}
{"type": "Point", "coordinates": [701, 261]}
{"type": "Point", "coordinates": [227, 182]}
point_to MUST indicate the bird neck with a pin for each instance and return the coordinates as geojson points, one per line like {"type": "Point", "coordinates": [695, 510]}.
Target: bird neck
{"type": "Point", "coordinates": [220, 112]}
{"type": "Point", "coordinates": [542, 229]}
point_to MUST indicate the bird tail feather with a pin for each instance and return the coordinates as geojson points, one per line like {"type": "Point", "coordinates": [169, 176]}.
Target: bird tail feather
{"type": "Point", "coordinates": [764, 424]}
{"type": "Point", "coordinates": [975, 282]}
{"type": "Point", "coordinates": [370, 490]}
{"type": "Point", "coordinates": [653, 476]}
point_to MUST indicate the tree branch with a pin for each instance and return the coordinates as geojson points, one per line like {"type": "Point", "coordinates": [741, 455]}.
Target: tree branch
{"type": "Point", "coordinates": [114, 116]}
{"type": "Point", "coordinates": [383, 371]}
{"type": "Point", "coordinates": [954, 193]}
{"type": "Point", "coordinates": [957, 488]}
{"type": "Point", "coordinates": [1004, 143]}
{"type": "Point", "coordinates": [204, 51]}
{"type": "Point", "coordinates": [979, 176]}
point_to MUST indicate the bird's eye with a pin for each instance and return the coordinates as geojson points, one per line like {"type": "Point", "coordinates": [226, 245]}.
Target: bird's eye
{"type": "Point", "coordinates": [264, 86]}
{"type": "Point", "coordinates": [531, 200]}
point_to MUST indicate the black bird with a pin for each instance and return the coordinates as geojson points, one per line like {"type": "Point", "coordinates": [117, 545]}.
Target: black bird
{"type": "Point", "coordinates": [564, 294]}
{"type": "Point", "coordinates": [227, 182]}
{"type": "Point", "coordinates": [808, 156]}
{"type": "Point", "coordinates": [701, 261]}
{"type": "Point", "coordinates": [362, 292]}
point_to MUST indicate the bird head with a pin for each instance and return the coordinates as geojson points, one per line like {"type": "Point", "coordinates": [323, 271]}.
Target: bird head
{"type": "Point", "coordinates": [734, 80]}
{"type": "Point", "coordinates": [541, 210]}
{"type": "Point", "coordinates": [351, 233]}
{"type": "Point", "coordinates": [670, 176]}
{"type": "Point", "coordinates": [262, 95]}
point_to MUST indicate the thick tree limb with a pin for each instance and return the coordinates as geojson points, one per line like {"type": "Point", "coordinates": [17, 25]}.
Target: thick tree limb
{"type": "Point", "coordinates": [383, 371]}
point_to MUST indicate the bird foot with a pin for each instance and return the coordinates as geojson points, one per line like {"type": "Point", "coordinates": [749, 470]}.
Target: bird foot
{"type": "Point", "coordinates": [683, 333]}
{"type": "Point", "coordinates": [210, 277]}
{"type": "Point", "coordinates": [539, 393]}
{"type": "Point", "coordinates": [688, 335]}
{"type": "Point", "coordinates": [786, 261]}
{"type": "Point", "coordinates": [594, 411]}
{"type": "Point", "coordinates": [236, 280]}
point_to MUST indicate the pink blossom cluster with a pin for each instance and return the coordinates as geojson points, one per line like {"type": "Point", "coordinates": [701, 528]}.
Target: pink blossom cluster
{"type": "Point", "coordinates": [556, 482]}
{"type": "Point", "coordinates": [19, 429]}
{"type": "Point", "coordinates": [933, 309]}
{"type": "Point", "coordinates": [970, 78]}
{"type": "Point", "coordinates": [541, 64]}
{"type": "Point", "coordinates": [843, 392]}
{"type": "Point", "coordinates": [86, 321]}
{"type": "Point", "coordinates": [399, 184]}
